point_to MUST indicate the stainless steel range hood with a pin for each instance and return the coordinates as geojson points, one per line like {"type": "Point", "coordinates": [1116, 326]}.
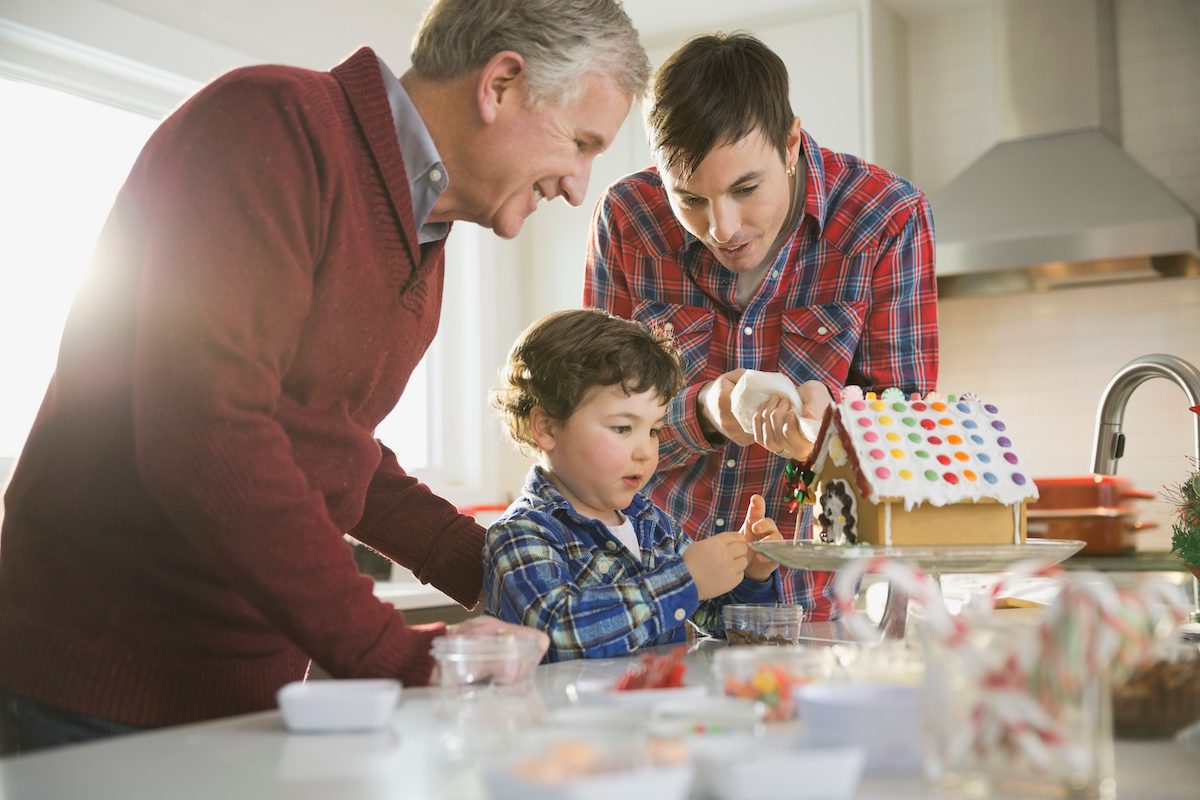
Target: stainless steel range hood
{"type": "Point", "coordinates": [1057, 201]}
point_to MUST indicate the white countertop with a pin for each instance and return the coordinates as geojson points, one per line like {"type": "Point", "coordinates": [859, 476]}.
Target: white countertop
{"type": "Point", "coordinates": [410, 595]}
{"type": "Point", "coordinates": [432, 750]}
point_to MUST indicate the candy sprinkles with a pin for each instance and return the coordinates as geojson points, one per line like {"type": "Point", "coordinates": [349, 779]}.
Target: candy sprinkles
{"type": "Point", "coordinates": [1030, 691]}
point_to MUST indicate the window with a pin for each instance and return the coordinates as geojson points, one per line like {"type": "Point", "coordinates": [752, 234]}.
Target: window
{"type": "Point", "coordinates": [63, 159]}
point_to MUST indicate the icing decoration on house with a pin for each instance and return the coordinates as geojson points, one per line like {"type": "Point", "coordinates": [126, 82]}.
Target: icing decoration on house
{"type": "Point", "coordinates": [934, 470]}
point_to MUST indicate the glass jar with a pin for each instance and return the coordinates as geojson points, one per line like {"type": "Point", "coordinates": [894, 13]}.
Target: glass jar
{"type": "Point", "coordinates": [766, 624]}
{"type": "Point", "coordinates": [1162, 698]}
{"type": "Point", "coordinates": [997, 729]}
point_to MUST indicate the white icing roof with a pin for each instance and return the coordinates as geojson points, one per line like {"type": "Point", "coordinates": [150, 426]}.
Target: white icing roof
{"type": "Point", "coordinates": [928, 451]}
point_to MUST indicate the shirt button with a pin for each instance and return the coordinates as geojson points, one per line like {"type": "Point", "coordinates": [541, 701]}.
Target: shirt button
{"type": "Point", "coordinates": [731, 463]}
{"type": "Point", "coordinates": [680, 615]}
{"type": "Point", "coordinates": [774, 273]}
{"type": "Point", "coordinates": [720, 522]}
{"type": "Point", "coordinates": [610, 545]}
{"type": "Point", "coordinates": [748, 330]}
{"type": "Point", "coordinates": [435, 175]}
{"type": "Point", "coordinates": [667, 326]}
{"type": "Point", "coordinates": [604, 567]}
{"type": "Point", "coordinates": [822, 330]}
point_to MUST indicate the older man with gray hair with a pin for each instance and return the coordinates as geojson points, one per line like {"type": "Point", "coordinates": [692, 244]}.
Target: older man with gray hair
{"type": "Point", "coordinates": [268, 277]}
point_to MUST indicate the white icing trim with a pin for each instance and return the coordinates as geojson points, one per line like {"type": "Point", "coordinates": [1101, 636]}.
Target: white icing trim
{"type": "Point", "coordinates": [887, 523]}
{"type": "Point", "coordinates": [1016, 523]}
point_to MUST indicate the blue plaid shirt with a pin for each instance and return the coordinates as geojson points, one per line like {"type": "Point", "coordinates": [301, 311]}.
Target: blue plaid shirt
{"type": "Point", "coordinates": [548, 567]}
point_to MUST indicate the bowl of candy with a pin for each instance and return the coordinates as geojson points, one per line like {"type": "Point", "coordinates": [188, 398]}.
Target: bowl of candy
{"type": "Point", "coordinates": [769, 674]}
{"type": "Point", "coordinates": [652, 679]}
{"type": "Point", "coordinates": [1161, 698]}
{"type": "Point", "coordinates": [765, 624]}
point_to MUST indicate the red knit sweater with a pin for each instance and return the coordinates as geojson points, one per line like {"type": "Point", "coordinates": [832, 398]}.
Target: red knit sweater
{"type": "Point", "coordinates": [172, 546]}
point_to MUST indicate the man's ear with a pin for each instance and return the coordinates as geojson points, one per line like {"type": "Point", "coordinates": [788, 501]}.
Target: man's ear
{"type": "Point", "coordinates": [497, 79]}
{"type": "Point", "coordinates": [543, 428]}
{"type": "Point", "coordinates": [793, 143]}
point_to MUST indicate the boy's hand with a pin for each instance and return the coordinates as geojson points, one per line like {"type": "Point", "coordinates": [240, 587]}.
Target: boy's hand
{"type": "Point", "coordinates": [717, 563]}
{"type": "Point", "coordinates": [759, 527]}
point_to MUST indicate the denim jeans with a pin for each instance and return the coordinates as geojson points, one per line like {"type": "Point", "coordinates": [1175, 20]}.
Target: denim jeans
{"type": "Point", "coordinates": [27, 725]}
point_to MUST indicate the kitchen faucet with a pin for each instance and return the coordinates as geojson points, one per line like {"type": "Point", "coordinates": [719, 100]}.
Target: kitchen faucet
{"type": "Point", "coordinates": [1110, 442]}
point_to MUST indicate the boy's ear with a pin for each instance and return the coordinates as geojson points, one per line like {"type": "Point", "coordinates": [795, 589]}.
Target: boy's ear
{"type": "Point", "coordinates": [542, 427]}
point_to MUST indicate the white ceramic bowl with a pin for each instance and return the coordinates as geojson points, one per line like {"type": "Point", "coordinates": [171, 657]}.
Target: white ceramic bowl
{"type": "Point", "coordinates": [885, 721]}
{"type": "Point", "coordinates": [775, 768]}
{"type": "Point", "coordinates": [338, 705]}
{"type": "Point", "coordinates": [598, 692]}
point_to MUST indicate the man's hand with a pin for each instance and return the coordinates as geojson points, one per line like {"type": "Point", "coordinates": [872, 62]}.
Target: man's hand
{"type": "Point", "coordinates": [717, 563]}
{"type": "Point", "coordinates": [716, 411]}
{"type": "Point", "coordinates": [777, 428]}
{"type": "Point", "coordinates": [759, 527]}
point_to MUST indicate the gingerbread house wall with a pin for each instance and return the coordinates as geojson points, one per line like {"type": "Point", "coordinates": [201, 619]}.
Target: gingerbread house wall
{"type": "Point", "coordinates": [984, 522]}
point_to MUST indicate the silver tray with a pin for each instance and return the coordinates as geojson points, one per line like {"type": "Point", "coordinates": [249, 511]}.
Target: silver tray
{"type": "Point", "coordinates": [806, 554]}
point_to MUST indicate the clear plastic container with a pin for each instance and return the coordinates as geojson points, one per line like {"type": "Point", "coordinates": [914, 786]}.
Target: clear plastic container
{"type": "Point", "coordinates": [773, 624]}
{"type": "Point", "coordinates": [475, 662]}
{"type": "Point", "coordinates": [768, 674]}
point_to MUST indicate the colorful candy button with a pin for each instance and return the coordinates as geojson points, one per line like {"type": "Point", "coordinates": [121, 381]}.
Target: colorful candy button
{"type": "Point", "coordinates": [997, 424]}
{"type": "Point", "coordinates": [1018, 479]}
{"type": "Point", "coordinates": [945, 421]}
{"type": "Point", "coordinates": [863, 422]}
{"type": "Point", "coordinates": [909, 421]}
{"type": "Point", "coordinates": [970, 424]}
{"type": "Point", "coordinates": [944, 460]}
{"type": "Point", "coordinates": [976, 438]}
{"type": "Point", "coordinates": [954, 438]}
{"type": "Point", "coordinates": [892, 393]}
{"type": "Point", "coordinates": [905, 474]}
{"type": "Point", "coordinates": [1004, 441]}
{"type": "Point", "coordinates": [935, 440]}
{"type": "Point", "coordinates": [914, 437]}
{"type": "Point", "coordinates": [1010, 456]}
{"type": "Point", "coordinates": [961, 456]}
{"type": "Point", "coordinates": [971, 476]}
{"type": "Point", "coordinates": [883, 473]}
{"type": "Point", "coordinates": [899, 408]}
{"type": "Point", "coordinates": [931, 475]}
{"type": "Point", "coordinates": [928, 424]}
{"type": "Point", "coordinates": [919, 406]}
{"type": "Point", "coordinates": [876, 454]}
{"type": "Point", "coordinates": [858, 405]}
{"type": "Point", "coordinates": [991, 409]}
{"type": "Point", "coordinates": [939, 406]}
{"type": "Point", "coordinates": [878, 405]}
{"type": "Point", "coordinates": [921, 453]}
{"type": "Point", "coordinates": [871, 436]}
{"type": "Point", "coordinates": [871, 396]}
{"type": "Point", "coordinates": [990, 478]}
{"type": "Point", "coordinates": [897, 453]}
{"type": "Point", "coordinates": [951, 478]}
{"type": "Point", "coordinates": [892, 436]}
{"type": "Point", "coordinates": [964, 408]}
{"type": "Point", "coordinates": [983, 458]}
{"type": "Point", "coordinates": [884, 419]}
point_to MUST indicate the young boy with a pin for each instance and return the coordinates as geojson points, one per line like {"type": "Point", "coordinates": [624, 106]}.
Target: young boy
{"type": "Point", "coordinates": [582, 554]}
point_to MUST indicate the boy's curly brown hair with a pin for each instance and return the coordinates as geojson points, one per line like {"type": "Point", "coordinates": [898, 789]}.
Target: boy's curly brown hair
{"type": "Point", "coordinates": [558, 358]}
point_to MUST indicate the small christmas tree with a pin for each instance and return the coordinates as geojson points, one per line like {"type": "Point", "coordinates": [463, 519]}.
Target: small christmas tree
{"type": "Point", "coordinates": [1185, 532]}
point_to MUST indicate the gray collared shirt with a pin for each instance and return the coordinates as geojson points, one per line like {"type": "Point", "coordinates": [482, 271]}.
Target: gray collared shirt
{"type": "Point", "coordinates": [427, 177]}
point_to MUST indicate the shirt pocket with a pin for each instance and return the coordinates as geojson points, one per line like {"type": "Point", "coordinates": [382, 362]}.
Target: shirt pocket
{"type": "Point", "coordinates": [691, 326]}
{"type": "Point", "coordinates": [819, 342]}
{"type": "Point", "coordinates": [593, 566]}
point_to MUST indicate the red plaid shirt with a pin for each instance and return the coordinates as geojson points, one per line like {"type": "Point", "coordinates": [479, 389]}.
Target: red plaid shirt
{"type": "Point", "coordinates": [850, 299]}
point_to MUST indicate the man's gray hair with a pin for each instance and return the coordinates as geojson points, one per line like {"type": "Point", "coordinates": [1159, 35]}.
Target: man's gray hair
{"type": "Point", "coordinates": [560, 40]}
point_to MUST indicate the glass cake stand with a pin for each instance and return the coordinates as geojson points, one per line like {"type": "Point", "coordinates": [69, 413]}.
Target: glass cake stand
{"type": "Point", "coordinates": [936, 560]}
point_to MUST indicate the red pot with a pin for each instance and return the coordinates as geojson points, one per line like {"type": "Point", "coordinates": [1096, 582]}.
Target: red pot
{"type": "Point", "coordinates": [1086, 491]}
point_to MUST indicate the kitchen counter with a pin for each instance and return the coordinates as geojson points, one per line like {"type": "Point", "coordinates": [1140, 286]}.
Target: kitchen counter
{"type": "Point", "coordinates": [432, 751]}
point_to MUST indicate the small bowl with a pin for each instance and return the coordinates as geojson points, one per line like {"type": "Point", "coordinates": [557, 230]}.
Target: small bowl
{"type": "Point", "coordinates": [602, 692]}
{"type": "Point", "coordinates": [1162, 698]}
{"type": "Point", "coordinates": [764, 624]}
{"type": "Point", "coordinates": [768, 675]}
{"type": "Point", "coordinates": [775, 768]}
{"type": "Point", "coordinates": [595, 769]}
{"type": "Point", "coordinates": [338, 705]}
{"type": "Point", "coordinates": [885, 721]}
{"type": "Point", "coordinates": [479, 661]}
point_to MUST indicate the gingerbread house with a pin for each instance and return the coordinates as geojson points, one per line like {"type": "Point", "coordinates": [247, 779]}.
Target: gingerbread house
{"type": "Point", "coordinates": [893, 470]}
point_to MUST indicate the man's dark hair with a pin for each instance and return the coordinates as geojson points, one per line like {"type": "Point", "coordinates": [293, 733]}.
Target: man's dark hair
{"type": "Point", "coordinates": [714, 91]}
